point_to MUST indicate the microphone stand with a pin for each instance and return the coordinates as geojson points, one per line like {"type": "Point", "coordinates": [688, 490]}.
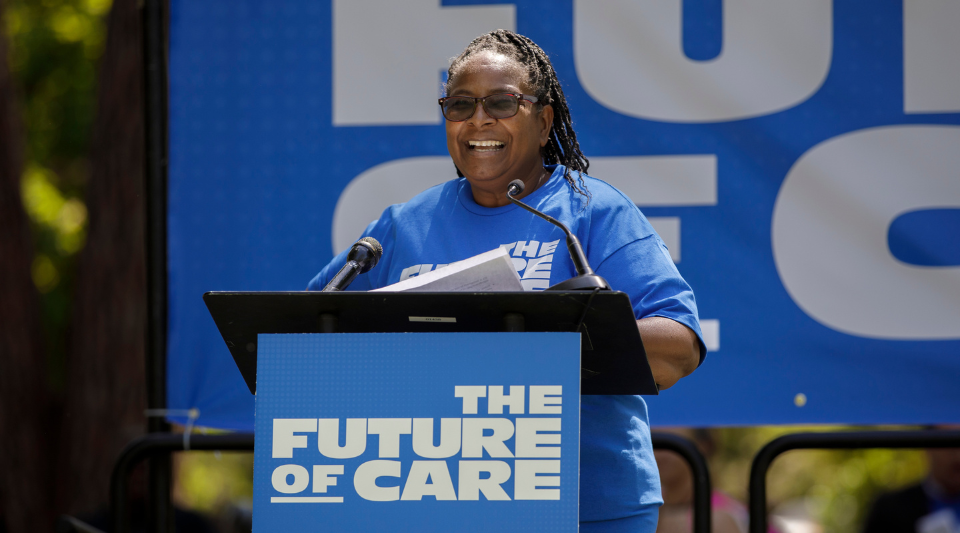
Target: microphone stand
{"type": "Point", "coordinates": [585, 280]}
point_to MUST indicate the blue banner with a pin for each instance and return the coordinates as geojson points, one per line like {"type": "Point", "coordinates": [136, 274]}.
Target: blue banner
{"type": "Point", "coordinates": [798, 158]}
{"type": "Point", "coordinates": [471, 432]}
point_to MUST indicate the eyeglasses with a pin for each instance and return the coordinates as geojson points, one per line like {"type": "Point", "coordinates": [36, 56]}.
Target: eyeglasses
{"type": "Point", "coordinates": [498, 106]}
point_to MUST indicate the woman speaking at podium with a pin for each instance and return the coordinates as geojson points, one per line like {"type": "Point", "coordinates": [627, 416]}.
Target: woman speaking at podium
{"type": "Point", "coordinates": [507, 119]}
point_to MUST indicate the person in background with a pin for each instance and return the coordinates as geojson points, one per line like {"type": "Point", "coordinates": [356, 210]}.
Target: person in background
{"type": "Point", "coordinates": [931, 506]}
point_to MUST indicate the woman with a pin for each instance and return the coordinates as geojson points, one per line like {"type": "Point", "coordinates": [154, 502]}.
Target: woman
{"type": "Point", "coordinates": [507, 118]}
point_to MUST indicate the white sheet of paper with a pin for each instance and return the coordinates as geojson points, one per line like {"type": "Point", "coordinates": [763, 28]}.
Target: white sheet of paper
{"type": "Point", "coordinates": [491, 271]}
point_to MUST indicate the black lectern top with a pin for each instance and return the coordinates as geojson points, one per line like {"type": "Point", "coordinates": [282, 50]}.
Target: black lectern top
{"type": "Point", "coordinates": [612, 357]}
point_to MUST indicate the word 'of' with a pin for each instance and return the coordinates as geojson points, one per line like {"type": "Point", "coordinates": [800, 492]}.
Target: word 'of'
{"type": "Point", "coordinates": [427, 478]}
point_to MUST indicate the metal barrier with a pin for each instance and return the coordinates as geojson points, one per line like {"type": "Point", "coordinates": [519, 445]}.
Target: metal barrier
{"type": "Point", "coordinates": [847, 440]}
{"type": "Point", "coordinates": [155, 444]}
{"type": "Point", "coordinates": [69, 524]}
{"type": "Point", "coordinates": [701, 475]}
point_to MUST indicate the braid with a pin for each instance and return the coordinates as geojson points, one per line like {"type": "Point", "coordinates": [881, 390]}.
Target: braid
{"type": "Point", "coordinates": [562, 146]}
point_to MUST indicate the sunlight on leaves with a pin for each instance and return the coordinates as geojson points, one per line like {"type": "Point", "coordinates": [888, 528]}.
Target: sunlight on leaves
{"type": "Point", "coordinates": [64, 218]}
{"type": "Point", "coordinates": [14, 21]}
{"type": "Point", "coordinates": [45, 275]}
{"type": "Point", "coordinates": [96, 7]}
{"type": "Point", "coordinates": [53, 53]}
{"type": "Point", "coordinates": [207, 482]}
{"type": "Point", "coordinates": [41, 197]}
{"type": "Point", "coordinates": [71, 225]}
{"type": "Point", "coordinates": [69, 25]}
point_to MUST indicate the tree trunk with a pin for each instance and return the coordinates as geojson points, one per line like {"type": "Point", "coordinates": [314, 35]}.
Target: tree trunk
{"type": "Point", "coordinates": [25, 502]}
{"type": "Point", "coordinates": [105, 393]}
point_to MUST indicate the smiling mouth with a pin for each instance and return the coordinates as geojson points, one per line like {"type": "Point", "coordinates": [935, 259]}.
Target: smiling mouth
{"type": "Point", "coordinates": [485, 146]}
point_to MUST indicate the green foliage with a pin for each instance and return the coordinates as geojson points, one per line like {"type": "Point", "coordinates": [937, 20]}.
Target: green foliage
{"type": "Point", "coordinates": [207, 482]}
{"type": "Point", "coordinates": [54, 48]}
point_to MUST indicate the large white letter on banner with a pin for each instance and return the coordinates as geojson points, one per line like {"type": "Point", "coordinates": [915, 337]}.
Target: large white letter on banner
{"type": "Point", "coordinates": [931, 56]}
{"type": "Point", "coordinates": [383, 185]}
{"type": "Point", "coordinates": [387, 56]}
{"type": "Point", "coordinates": [830, 225]}
{"type": "Point", "coordinates": [629, 57]}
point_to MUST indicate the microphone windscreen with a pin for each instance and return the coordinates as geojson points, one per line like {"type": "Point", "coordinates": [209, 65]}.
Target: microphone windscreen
{"type": "Point", "coordinates": [375, 249]}
{"type": "Point", "coordinates": [516, 187]}
{"type": "Point", "coordinates": [374, 245]}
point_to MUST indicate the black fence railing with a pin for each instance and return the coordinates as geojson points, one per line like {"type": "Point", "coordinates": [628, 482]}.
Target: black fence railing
{"type": "Point", "coordinates": [844, 440]}
{"type": "Point", "coordinates": [163, 444]}
{"type": "Point", "coordinates": [701, 475]}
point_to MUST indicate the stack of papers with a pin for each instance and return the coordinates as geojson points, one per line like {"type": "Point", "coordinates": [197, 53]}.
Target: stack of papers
{"type": "Point", "coordinates": [491, 271]}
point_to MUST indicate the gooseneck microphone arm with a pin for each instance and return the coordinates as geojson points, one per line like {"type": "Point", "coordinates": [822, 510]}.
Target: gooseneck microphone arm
{"type": "Point", "coordinates": [573, 244]}
{"type": "Point", "coordinates": [585, 279]}
{"type": "Point", "coordinates": [364, 255]}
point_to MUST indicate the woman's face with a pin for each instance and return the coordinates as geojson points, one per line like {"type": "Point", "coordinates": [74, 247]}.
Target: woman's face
{"type": "Point", "coordinates": [515, 152]}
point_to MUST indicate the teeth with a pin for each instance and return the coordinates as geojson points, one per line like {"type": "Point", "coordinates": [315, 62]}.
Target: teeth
{"type": "Point", "coordinates": [485, 144]}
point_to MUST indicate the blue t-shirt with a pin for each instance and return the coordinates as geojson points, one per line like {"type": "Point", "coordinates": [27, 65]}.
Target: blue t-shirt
{"type": "Point", "coordinates": [618, 475]}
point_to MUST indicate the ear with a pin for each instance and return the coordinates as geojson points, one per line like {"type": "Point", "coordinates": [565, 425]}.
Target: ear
{"type": "Point", "coordinates": [546, 124]}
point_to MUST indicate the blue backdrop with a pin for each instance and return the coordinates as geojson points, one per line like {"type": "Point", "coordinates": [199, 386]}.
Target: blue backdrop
{"type": "Point", "coordinates": [800, 159]}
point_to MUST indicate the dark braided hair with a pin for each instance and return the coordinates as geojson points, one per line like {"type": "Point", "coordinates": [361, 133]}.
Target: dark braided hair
{"type": "Point", "coordinates": [562, 146]}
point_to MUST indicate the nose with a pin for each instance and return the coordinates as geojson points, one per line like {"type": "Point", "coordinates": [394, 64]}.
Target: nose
{"type": "Point", "coordinates": [480, 116]}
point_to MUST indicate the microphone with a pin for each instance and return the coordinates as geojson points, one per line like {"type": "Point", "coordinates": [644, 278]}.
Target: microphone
{"type": "Point", "coordinates": [585, 278]}
{"type": "Point", "coordinates": [364, 255]}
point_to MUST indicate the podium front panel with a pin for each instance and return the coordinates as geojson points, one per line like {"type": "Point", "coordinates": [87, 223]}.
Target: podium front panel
{"type": "Point", "coordinates": [464, 432]}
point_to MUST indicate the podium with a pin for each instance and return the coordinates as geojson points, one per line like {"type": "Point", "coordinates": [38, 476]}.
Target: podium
{"type": "Point", "coordinates": [425, 411]}
{"type": "Point", "coordinates": [612, 355]}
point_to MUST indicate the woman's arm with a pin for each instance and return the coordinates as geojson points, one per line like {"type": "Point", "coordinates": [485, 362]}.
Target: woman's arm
{"type": "Point", "coordinates": [673, 349]}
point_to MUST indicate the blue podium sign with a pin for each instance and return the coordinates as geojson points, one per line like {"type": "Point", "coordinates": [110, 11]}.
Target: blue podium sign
{"type": "Point", "coordinates": [417, 431]}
